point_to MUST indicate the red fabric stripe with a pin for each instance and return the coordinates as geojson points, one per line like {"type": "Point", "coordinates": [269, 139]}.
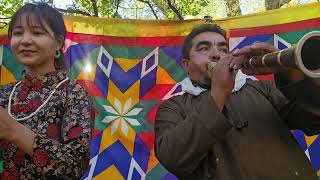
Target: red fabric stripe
{"type": "Point", "coordinates": [148, 139]}
{"type": "Point", "coordinates": [157, 92]}
{"type": "Point", "coordinates": [152, 114]}
{"type": "Point", "coordinates": [4, 40]}
{"type": "Point", "coordinates": [269, 77]}
{"type": "Point", "coordinates": [294, 26]}
{"type": "Point", "coordinates": [95, 133]}
{"type": "Point", "coordinates": [91, 88]}
{"type": "Point", "coordinates": [126, 41]}
{"type": "Point", "coordinates": [118, 41]}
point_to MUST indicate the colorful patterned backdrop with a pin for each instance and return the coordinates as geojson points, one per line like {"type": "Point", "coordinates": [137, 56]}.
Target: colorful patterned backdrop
{"type": "Point", "coordinates": [283, 36]}
{"type": "Point", "coordinates": [130, 66]}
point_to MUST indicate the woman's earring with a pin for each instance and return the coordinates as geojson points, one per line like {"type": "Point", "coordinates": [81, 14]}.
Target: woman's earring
{"type": "Point", "coordinates": [58, 54]}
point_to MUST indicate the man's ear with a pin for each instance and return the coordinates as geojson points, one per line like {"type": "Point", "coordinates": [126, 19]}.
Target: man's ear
{"type": "Point", "coordinates": [185, 64]}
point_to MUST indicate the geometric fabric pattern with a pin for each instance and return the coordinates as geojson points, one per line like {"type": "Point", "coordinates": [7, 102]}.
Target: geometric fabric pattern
{"type": "Point", "coordinates": [283, 37]}
{"type": "Point", "coordinates": [129, 67]}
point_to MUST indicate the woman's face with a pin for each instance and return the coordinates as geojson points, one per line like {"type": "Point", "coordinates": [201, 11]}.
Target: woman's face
{"type": "Point", "coordinates": [33, 45]}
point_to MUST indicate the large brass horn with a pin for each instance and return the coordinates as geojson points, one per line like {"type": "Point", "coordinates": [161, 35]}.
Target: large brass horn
{"type": "Point", "coordinates": [304, 56]}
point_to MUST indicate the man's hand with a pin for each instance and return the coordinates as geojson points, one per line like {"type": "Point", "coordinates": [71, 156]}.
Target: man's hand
{"type": "Point", "coordinates": [247, 51]}
{"type": "Point", "coordinates": [222, 80]}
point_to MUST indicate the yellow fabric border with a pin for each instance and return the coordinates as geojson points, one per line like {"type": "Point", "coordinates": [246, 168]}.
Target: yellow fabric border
{"type": "Point", "coordinates": [129, 27]}
{"type": "Point", "coordinates": [3, 31]}
{"type": "Point", "coordinates": [272, 17]}
{"type": "Point", "coordinates": [156, 28]}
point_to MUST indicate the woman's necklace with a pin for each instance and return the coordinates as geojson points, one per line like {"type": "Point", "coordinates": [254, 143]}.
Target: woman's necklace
{"type": "Point", "coordinates": [36, 111]}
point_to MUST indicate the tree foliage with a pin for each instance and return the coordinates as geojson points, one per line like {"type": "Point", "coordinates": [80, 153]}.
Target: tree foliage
{"type": "Point", "coordinates": [233, 8]}
{"type": "Point", "coordinates": [155, 9]}
{"type": "Point", "coordinates": [7, 8]}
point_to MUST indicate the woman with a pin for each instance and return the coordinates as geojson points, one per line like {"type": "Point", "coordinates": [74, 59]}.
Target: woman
{"type": "Point", "coordinates": [45, 119]}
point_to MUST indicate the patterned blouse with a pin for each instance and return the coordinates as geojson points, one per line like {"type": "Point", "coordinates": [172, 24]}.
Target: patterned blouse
{"type": "Point", "coordinates": [62, 127]}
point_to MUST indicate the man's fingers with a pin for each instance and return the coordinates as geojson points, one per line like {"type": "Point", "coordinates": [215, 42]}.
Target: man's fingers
{"type": "Point", "coordinates": [254, 48]}
{"type": "Point", "coordinates": [242, 51]}
{"type": "Point", "coordinates": [237, 62]}
{"type": "Point", "coordinates": [264, 47]}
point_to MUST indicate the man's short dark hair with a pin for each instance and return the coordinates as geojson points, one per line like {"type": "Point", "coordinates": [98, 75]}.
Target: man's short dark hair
{"type": "Point", "coordinates": [198, 30]}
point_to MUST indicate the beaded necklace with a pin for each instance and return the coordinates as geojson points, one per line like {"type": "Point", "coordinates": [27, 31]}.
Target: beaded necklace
{"type": "Point", "coordinates": [37, 110]}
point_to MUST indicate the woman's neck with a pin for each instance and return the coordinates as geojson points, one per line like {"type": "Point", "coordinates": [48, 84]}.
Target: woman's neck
{"type": "Point", "coordinates": [33, 72]}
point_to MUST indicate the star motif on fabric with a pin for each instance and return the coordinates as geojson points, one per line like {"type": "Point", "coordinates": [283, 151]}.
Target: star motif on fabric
{"type": "Point", "coordinates": [121, 114]}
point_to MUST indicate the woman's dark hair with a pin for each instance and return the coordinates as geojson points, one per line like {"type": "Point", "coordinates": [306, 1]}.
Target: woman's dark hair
{"type": "Point", "coordinates": [44, 14]}
{"type": "Point", "coordinates": [198, 30]}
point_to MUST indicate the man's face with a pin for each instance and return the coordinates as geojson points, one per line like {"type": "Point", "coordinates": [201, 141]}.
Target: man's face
{"type": "Point", "coordinates": [206, 47]}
